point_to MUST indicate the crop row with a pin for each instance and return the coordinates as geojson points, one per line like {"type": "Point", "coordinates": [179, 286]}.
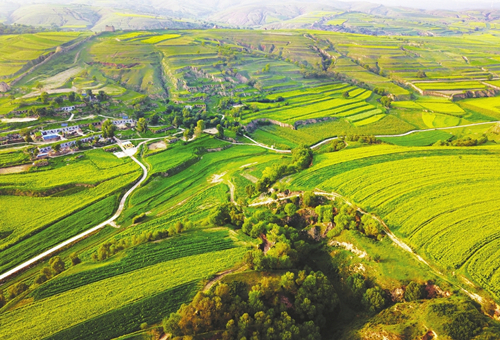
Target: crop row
{"type": "Point", "coordinates": [184, 245]}
{"type": "Point", "coordinates": [54, 314]}
{"type": "Point", "coordinates": [430, 198]}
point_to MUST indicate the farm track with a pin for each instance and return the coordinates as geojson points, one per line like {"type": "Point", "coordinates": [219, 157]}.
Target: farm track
{"type": "Point", "coordinates": [314, 146]}
{"type": "Point", "coordinates": [255, 143]}
{"type": "Point", "coordinates": [78, 237]}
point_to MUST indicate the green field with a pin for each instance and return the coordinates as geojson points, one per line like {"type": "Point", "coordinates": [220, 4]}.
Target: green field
{"type": "Point", "coordinates": [211, 195]}
{"type": "Point", "coordinates": [34, 201]}
{"type": "Point", "coordinates": [429, 197]}
{"type": "Point", "coordinates": [419, 138]}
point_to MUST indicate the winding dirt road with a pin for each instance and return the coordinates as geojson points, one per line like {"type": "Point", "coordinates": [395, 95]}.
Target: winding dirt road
{"type": "Point", "coordinates": [78, 237]}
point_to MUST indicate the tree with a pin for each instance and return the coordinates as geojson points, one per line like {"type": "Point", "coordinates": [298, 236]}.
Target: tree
{"type": "Point", "coordinates": [17, 289]}
{"type": "Point", "coordinates": [421, 74]}
{"type": "Point", "coordinates": [186, 134]}
{"type": "Point", "coordinates": [142, 125]}
{"type": "Point", "coordinates": [89, 93]}
{"type": "Point", "coordinates": [345, 95]}
{"type": "Point", "coordinates": [177, 121]}
{"type": "Point", "coordinates": [59, 100]}
{"type": "Point", "coordinates": [154, 119]}
{"type": "Point", "coordinates": [57, 147]}
{"type": "Point", "coordinates": [290, 209]}
{"type": "Point", "coordinates": [309, 199]}
{"type": "Point", "coordinates": [386, 101]}
{"type": "Point", "coordinates": [370, 226]}
{"type": "Point", "coordinates": [108, 129]}
{"type": "Point", "coordinates": [374, 299]}
{"type": "Point", "coordinates": [414, 291]}
{"type": "Point", "coordinates": [357, 285]}
{"type": "Point", "coordinates": [57, 265]}
{"type": "Point", "coordinates": [44, 97]}
{"type": "Point", "coordinates": [179, 227]}
{"type": "Point", "coordinates": [102, 95]}
{"type": "Point", "coordinates": [72, 96]}
{"type": "Point", "coordinates": [40, 278]}
{"type": "Point", "coordinates": [74, 259]}
{"type": "Point", "coordinates": [200, 126]}
{"type": "Point", "coordinates": [39, 86]}
{"type": "Point", "coordinates": [250, 190]}
{"type": "Point", "coordinates": [220, 131]}
{"type": "Point", "coordinates": [171, 324]}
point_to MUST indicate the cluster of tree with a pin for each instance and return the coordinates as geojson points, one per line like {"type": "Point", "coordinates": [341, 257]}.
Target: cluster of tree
{"type": "Point", "coordinates": [142, 125]}
{"type": "Point", "coordinates": [21, 29]}
{"type": "Point", "coordinates": [188, 119]}
{"type": "Point", "coordinates": [467, 141]}
{"type": "Point", "coordinates": [295, 306]}
{"type": "Point", "coordinates": [108, 129]}
{"type": "Point", "coordinates": [285, 247]}
{"type": "Point", "coordinates": [361, 139]}
{"type": "Point", "coordinates": [463, 320]}
{"type": "Point", "coordinates": [267, 100]}
{"type": "Point", "coordinates": [301, 158]}
{"type": "Point", "coordinates": [55, 267]}
{"type": "Point", "coordinates": [421, 74]}
{"type": "Point", "coordinates": [349, 218]}
{"type": "Point", "coordinates": [110, 248]}
{"type": "Point", "coordinates": [226, 213]}
{"type": "Point", "coordinates": [386, 101]}
{"type": "Point", "coordinates": [372, 299]}
{"type": "Point", "coordinates": [41, 111]}
{"type": "Point", "coordinates": [266, 69]}
{"type": "Point", "coordinates": [380, 91]}
{"type": "Point", "coordinates": [335, 145]}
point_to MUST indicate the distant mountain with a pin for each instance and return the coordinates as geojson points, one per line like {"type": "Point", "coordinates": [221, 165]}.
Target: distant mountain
{"type": "Point", "coordinates": [155, 14]}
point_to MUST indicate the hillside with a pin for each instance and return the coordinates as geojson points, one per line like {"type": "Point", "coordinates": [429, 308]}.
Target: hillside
{"type": "Point", "coordinates": [332, 179]}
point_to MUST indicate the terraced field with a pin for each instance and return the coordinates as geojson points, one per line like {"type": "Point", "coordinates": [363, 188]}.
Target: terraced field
{"type": "Point", "coordinates": [429, 197]}
{"type": "Point", "coordinates": [17, 50]}
{"type": "Point", "coordinates": [41, 202]}
{"type": "Point", "coordinates": [101, 310]}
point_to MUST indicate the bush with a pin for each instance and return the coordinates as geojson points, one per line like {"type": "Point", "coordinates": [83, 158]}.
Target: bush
{"type": "Point", "coordinates": [139, 218]}
{"type": "Point", "coordinates": [374, 299]}
{"type": "Point", "coordinates": [414, 291]}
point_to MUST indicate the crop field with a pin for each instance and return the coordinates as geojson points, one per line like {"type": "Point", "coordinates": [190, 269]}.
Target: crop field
{"type": "Point", "coordinates": [162, 194]}
{"type": "Point", "coordinates": [157, 39]}
{"type": "Point", "coordinates": [96, 300]}
{"type": "Point", "coordinates": [313, 133]}
{"type": "Point", "coordinates": [17, 50]}
{"type": "Point", "coordinates": [34, 201]}
{"type": "Point", "coordinates": [487, 106]}
{"type": "Point", "coordinates": [419, 138]}
{"type": "Point", "coordinates": [283, 87]}
{"type": "Point", "coordinates": [11, 158]}
{"type": "Point", "coordinates": [446, 86]}
{"type": "Point", "coordinates": [437, 205]}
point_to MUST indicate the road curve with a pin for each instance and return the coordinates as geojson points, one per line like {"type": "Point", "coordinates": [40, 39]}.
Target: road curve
{"type": "Point", "coordinates": [314, 146]}
{"type": "Point", "coordinates": [87, 232]}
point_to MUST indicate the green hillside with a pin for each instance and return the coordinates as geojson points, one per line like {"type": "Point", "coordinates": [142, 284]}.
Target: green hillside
{"type": "Point", "coordinates": [329, 174]}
